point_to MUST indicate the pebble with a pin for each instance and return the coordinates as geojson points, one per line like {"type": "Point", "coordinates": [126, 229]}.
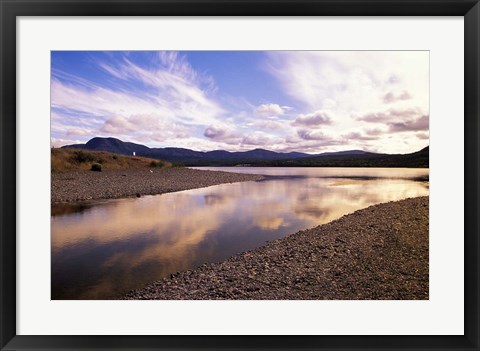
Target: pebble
{"type": "Point", "coordinates": [85, 185]}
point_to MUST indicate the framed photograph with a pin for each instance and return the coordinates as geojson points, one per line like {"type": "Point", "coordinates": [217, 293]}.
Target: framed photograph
{"type": "Point", "coordinates": [219, 175]}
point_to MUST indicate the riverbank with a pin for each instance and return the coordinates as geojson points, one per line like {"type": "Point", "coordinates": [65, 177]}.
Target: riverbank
{"type": "Point", "coordinates": [377, 253]}
{"type": "Point", "coordinates": [75, 186]}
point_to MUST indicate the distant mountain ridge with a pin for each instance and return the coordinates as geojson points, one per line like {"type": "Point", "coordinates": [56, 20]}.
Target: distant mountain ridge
{"type": "Point", "coordinates": [257, 157]}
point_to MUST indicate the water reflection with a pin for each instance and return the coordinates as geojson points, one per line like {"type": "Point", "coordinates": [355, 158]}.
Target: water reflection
{"type": "Point", "coordinates": [329, 172]}
{"type": "Point", "coordinates": [118, 245]}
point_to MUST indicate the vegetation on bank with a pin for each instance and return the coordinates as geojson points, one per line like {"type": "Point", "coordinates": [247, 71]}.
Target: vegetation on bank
{"type": "Point", "coordinates": [63, 160]}
{"type": "Point", "coordinates": [419, 159]}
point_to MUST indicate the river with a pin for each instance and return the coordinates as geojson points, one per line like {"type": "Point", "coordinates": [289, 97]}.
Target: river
{"type": "Point", "coordinates": [103, 249]}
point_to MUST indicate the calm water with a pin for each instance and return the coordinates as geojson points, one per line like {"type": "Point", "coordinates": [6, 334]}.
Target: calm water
{"type": "Point", "coordinates": [101, 250]}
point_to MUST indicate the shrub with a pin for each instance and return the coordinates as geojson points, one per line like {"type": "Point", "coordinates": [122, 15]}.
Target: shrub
{"type": "Point", "coordinates": [96, 167]}
{"type": "Point", "coordinates": [81, 157]}
{"type": "Point", "coordinates": [114, 157]}
{"type": "Point", "coordinates": [158, 164]}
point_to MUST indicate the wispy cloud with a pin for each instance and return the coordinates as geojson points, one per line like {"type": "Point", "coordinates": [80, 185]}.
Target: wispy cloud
{"type": "Point", "coordinates": [353, 81]}
{"type": "Point", "coordinates": [175, 94]}
{"type": "Point", "coordinates": [303, 101]}
{"type": "Point", "coordinates": [386, 88]}
{"type": "Point", "coordinates": [270, 125]}
{"type": "Point", "coordinates": [78, 132]}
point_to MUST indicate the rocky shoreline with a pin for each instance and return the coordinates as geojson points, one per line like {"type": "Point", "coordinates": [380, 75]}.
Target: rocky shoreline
{"type": "Point", "coordinates": [377, 253]}
{"type": "Point", "coordinates": [77, 186]}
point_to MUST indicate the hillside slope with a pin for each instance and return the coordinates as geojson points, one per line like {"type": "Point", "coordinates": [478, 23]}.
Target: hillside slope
{"type": "Point", "coordinates": [63, 160]}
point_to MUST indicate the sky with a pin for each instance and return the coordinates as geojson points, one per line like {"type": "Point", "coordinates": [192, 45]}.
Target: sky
{"type": "Point", "coordinates": [305, 101]}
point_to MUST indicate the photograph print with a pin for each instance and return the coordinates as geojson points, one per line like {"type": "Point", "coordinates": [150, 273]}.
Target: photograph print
{"type": "Point", "coordinates": [240, 175]}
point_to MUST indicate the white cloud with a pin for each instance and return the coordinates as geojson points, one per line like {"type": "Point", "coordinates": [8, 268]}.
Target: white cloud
{"type": "Point", "coordinates": [329, 103]}
{"type": "Point", "coordinates": [78, 132]}
{"type": "Point", "coordinates": [118, 125]}
{"type": "Point", "coordinates": [384, 87]}
{"type": "Point", "coordinates": [58, 142]}
{"type": "Point", "coordinates": [270, 125]}
{"type": "Point", "coordinates": [260, 138]}
{"type": "Point", "coordinates": [355, 80]}
{"type": "Point", "coordinates": [150, 127]}
{"type": "Point", "coordinates": [377, 100]}
{"type": "Point", "coordinates": [268, 110]}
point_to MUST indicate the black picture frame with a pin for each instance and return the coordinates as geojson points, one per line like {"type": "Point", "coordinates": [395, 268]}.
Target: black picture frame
{"type": "Point", "coordinates": [10, 10]}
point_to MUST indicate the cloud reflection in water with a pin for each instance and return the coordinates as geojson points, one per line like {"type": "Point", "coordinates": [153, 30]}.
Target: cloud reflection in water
{"type": "Point", "coordinates": [118, 245]}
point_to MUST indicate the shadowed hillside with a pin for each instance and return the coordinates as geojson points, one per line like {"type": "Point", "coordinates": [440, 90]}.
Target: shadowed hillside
{"type": "Point", "coordinates": [419, 159]}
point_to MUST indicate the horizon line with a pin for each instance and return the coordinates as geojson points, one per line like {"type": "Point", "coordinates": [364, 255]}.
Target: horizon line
{"type": "Point", "coordinates": [280, 152]}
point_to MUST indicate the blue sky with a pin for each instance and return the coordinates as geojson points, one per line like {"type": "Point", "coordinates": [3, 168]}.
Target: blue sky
{"type": "Point", "coordinates": [312, 101]}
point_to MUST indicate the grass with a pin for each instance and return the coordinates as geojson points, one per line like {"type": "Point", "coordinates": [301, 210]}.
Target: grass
{"type": "Point", "coordinates": [157, 164]}
{"type": "Point", "coordinates": [63, 160]}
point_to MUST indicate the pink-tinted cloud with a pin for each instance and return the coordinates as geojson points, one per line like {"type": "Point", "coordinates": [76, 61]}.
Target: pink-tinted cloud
{"type": "Point", "coordinates": [422, 136]}
{"type": "Point", "coordinates": [78, 132]}
{"type": "Point", "coordinates": [307, 134]}
{"type": "Point", "coordinates": [118, 125]}
{"type": "Point", "coordinates": [221, 133]}
{"type": "Point", "coordinates": [58, 142]}
{"type": "Point", "coordinates": [260, 139]}
{"type": "Point", "coordinates": [374, 132]}
{"type": "Point", "coordinates": [358, 136]}
{"type": "Point", "coordinates": [316, 118]}
{"type": "Point", "coordinates": [419, 124]}
{"type": "Point", "coordinates": [389, 115]}
{"type": "Point", "coordinates": [142, 126]}
{"type": "Point", "coordinates": [269, 124]}
{"type": "Point", "coordinates": [392, 97]}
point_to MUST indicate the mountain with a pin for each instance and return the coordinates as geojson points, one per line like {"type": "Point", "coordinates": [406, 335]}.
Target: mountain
{"type": "Point", "coordinates": [185, 156]}
{"type": "Point", "coordinates": [348, 152]}
{"type": "Point", "coordinates": [115, 145]}
{"type": "Point", "coordinates": [258, 157]}
{"type": "Point", "coordinates": [419, 159]}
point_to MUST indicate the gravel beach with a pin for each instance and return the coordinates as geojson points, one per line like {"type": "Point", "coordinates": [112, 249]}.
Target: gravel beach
{"type": "Point", "coordinates": [377, 253]}
{"type": "Point", "coordinates": [86, 185]}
